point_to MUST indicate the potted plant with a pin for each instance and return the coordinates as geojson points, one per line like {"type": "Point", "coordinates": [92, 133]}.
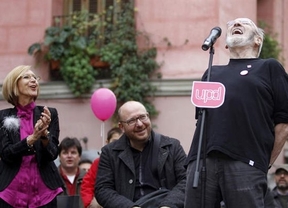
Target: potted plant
{"type": "Point", "coordinates": [54, 45]}
{"type": "Point", "coordinates": [131, 67]}
{"type": "Point", "coordinates": [73, 45]}
{"type": "Point", "coordinates": [112, 38]}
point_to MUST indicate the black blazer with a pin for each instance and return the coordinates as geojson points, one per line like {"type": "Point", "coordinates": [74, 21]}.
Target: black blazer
{"type": "Point", "coordinates": [12, 149]}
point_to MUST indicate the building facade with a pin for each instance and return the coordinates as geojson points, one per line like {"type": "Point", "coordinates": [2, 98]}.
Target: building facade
{"type": "Point", "coordinates": [184, 23]}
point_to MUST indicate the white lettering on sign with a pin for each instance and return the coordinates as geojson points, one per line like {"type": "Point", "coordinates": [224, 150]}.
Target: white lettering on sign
{"type": "Point", "coordinates": [208, 94]}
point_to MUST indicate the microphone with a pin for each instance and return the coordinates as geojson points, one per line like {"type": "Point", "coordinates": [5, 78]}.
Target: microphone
{"type": "Point", "coordinates": [211, 39]}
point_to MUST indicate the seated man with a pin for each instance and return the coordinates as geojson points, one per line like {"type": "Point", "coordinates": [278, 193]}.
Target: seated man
{"type": "Point", "coordinates": [70, 151]}
{"type": "Point", "coordinates": [141, 166]}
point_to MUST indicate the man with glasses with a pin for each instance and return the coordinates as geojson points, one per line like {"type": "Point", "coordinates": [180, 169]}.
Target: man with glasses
{"type": "Point", "coordinates": [245, 135]}
{"type": "Point", "coordinates": [280, 192]}
{"type": "Point", "coordinates": [142, 168]}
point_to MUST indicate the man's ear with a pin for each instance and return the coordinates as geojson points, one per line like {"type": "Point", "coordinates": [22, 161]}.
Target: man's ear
{"type": "Point", "coordinates": [120, 125]}
{"type": "Point", "coordinates": [258, 40]}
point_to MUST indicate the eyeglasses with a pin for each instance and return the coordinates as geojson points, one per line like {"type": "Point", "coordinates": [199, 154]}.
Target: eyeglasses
{"type": "Point", "coordinates": [133, 121]}
{"type": "Point", "coordinates": [29, 76]}
{"type": "Point", "coordinates": [241, 21]}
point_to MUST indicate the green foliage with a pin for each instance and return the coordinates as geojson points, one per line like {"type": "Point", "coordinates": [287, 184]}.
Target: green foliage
{"type": "Point", "coordinates": [113, 37]}
{"type": "Point", "coordinates": [76, 69]}
{"type": "Point", "coordinates": [131, 67]}
{"type": "Point", "coordinates": [77, 72]}
{"type": "Point", "coordinates": [271, 47]}
{"type": "Point", "coordinates": [73, 44]}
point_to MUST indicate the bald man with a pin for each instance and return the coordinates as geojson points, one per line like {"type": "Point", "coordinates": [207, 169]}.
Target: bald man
{"type": "Point", "coordinates": [143, 168]}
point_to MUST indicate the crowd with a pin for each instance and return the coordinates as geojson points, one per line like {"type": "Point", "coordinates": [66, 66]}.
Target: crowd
{"type": "Point", "coordinates": [141, 168]}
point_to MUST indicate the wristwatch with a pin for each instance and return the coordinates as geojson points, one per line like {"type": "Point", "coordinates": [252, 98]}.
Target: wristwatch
{"type": "Point", "coordinates": [30, 146]}
{"type": "Point", "coordinates": [46, 136]}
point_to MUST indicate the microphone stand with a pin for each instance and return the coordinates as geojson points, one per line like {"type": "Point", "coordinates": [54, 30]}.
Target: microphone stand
{"type": "Point", "coordinates": [202, 140]}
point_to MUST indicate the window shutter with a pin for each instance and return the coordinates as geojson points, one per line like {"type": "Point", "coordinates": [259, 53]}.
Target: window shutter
{"type": "Point", "coordinates": [93, 6]}
{"type": "Point", "coordinates": [76, 5]}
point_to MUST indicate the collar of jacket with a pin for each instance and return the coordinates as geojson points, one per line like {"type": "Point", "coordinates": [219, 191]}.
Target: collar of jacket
{"type": "Point", "coordinates": [121, 143]}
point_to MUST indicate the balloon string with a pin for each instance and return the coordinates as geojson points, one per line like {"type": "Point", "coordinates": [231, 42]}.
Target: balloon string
{"type": "Point", "coordinates": [103, 133]}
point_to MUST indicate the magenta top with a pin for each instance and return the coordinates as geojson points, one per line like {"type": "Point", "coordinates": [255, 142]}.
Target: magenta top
{"type": "Point", "coordinates": [27, 189]}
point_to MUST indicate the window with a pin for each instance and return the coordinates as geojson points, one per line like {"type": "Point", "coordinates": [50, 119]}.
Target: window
{"type": "Point", "coordinates": [92, 6]}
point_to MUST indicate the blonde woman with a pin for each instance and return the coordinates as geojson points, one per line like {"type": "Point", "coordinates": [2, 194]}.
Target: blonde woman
{"type": "Point", "coordinates": [28, 145]}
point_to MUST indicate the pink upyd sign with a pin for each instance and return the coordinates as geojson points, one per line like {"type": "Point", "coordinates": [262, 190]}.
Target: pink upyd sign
{"type": "Point", "coordinates": [207, 94]}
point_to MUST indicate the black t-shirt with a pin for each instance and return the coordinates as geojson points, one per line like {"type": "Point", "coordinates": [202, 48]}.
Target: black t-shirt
{"type": "Point", "coordinates": [243, 127]}
{"type": "Point", "coordinates": [146, 180]}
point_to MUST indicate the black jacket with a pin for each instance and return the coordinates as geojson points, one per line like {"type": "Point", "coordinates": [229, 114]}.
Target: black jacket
{"type": "Point", "coordinates": [275, 196]}
{"type": "Point", "coordinates": [12, 149]}
{"type": "Point", "coordinates": [116, 173]}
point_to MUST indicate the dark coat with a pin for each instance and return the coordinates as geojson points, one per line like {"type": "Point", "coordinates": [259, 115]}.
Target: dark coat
{"type": "Point", "coordinates": [275, 196]}
{"type": "Point", "coordinates": [79, 180]}
{"type": "Point", "coordinates": [115, 184]}
{"type": "Point", "coordinates": [12, 149]}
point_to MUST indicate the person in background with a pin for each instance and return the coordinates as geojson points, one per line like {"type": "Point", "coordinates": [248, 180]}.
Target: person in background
{"type": "Point", "coordinates": [88, 183]}
{"type": "Point", "coordinates": [28, 145]}
{"type": "Point", "coordinates": [245, 135]}
{"type": "Point", "coordinates": [85, 164]}
{"type": "Point", "coordinates": [70, 151]}
{"type": "Point", "coordinates": [280, 192]}
{"type": "Point", "coordinates": [142, 168]}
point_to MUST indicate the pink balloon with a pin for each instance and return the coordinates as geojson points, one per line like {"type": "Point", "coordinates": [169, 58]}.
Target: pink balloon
{"type": "Point", "coordinates": [103, 103]}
